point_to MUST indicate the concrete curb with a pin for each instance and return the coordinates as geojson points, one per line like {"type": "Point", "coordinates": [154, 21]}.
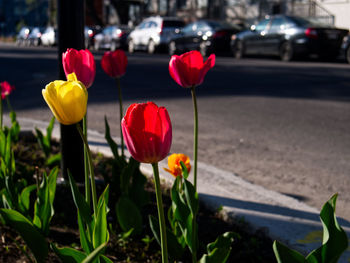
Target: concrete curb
{"type": "Point", "coordinates": [285, 218]}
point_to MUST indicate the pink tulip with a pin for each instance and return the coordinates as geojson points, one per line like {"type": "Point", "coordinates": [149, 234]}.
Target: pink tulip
{"type": "Point", "coordinates": [114, 63]}
{"type": "Point", "coordinates": [188, 70]}
{"type": "Point", "coordinates": [6, 89]}
{"type": "Point", "coordinates": [80, 62]}
{"type": "Point", "coordinates": [147, 132]}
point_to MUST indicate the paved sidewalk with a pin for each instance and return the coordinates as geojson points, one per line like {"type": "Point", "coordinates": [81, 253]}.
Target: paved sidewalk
{"type": "Point", "coordinates": [285, 218]}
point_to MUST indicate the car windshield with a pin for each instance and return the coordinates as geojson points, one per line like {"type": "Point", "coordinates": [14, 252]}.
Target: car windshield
{"type": "Point", "coordinates": [304, 22]}
{"type": "Point", "coordinates": [173, 23]}
{"type": "Point", "coordinates": [216, 25]}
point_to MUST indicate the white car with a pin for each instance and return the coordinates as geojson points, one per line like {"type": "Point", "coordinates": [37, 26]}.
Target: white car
{"type": "Point", "coordinates": [153, 33]}
{"type": "Point", "coordinates": [49, 37]}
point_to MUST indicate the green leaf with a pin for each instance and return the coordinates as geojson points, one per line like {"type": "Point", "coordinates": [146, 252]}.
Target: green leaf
{"type": "Point", "coordinates": [85, 237]}
{"type": "Point", "coordinates": [110, 141]}
{"type": "Point", "coordinates": [335, 240]}
{"type": "Point", "coordinates": [175, 249]}
{"type": "Point", "coordinates": [25, 197]}
{"type": "Point", "coordinates": [52, 182]}
{"type": "Point", "coordinates": [68, 255]}
{"type": "Point", "coordinates": [191, 197]}
{"type": "Point", "coordinates": [49, 130]}
{"type": "Point", "coordinates": [104, 259]}
{"type": "Point", "coordinates": [34, 240]}
{"type": "Point", "coordinates": [100, 232]}
{"type": "Point", "coordinates": [79, 201]}
{"type": "Point", "coordinates": [219, 250]}
{"type": "Point", "coordinates": [128, 215]}
{"type": "Point", "coordinates": [95, 254]}
{"type": "Point", "coordinates": [42, 207]}
{"type": "Point", "coordinates": [185, 173]}
{"type": "Point", "coordinates": [284, 254]}
{"type": "Point", "coordinates": [41, 142]}
{"type": "Point", "coordinates": [180, 209]}
{"type": "Point", "coordinates": [54, 159]}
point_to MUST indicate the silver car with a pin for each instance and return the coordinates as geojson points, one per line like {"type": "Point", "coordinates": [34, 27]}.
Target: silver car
{"type": "Point", "coordinates": [153, 33]}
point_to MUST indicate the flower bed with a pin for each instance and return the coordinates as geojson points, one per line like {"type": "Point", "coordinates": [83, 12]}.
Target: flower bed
{"type": "Point", "coordinates": [247, 247]}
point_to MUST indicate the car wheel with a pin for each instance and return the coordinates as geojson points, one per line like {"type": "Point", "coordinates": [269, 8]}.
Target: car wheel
{"type": "Point", "coordinates": [96, 45]}
{"type": "Point", "coordinates": [172, 48]}
{"type": "Point", "coordinates": [347, 54]}
{"type": "Point", "coordinates": [151, 47]}
{"type": "Point", "coordinates": [203, 49]}
{"type": "Point", "coordinates": [36, 42]}
{"type": "Point", "coordinates": [131, 46]}
{"type": "Point", "coordinates": [238, 50]}
{"type": "Point", "coordinates": [286, 51]}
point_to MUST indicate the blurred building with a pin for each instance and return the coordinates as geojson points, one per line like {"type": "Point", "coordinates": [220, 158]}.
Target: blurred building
{"type": "Point", "coordinates": [15, 13]}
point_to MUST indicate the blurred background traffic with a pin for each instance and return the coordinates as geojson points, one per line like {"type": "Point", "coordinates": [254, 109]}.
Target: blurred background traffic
{"type": "Point", "coordinates": [286, 29]}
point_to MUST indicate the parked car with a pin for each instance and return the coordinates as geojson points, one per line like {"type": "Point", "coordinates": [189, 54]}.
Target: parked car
{"type": "Point", "coordinates": [112, 37]}
{"type": "Point", "coordinates": [153, 33]}
{"type": "Point", "coordinates": [49, 36]}
{"type": "Point", "coordinates": [207, 36]}
{"type": "Point", "coordinates": [289, 37]}
{"type": "Point", "coordinates": [346, 48]}
{"type": "Point", "coordinates": [89, 33]}
{"type": "Point", "coordinates": [34, 38]}
{"type": "Point", "coordinates": [23, 35]}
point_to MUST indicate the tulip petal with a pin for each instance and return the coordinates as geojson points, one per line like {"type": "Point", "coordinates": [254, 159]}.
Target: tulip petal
{"type": "Point", "coordinates": [207, 65]}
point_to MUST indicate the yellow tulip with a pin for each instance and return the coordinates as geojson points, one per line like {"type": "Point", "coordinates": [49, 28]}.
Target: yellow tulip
{"type": "Point", "coordinates": [174, 164]}
{"type": "Point", "coordinates": [67, 99]}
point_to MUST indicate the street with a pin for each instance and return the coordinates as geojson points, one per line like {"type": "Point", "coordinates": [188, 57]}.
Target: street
{"type": "Point", "coordinates": [284, 126]}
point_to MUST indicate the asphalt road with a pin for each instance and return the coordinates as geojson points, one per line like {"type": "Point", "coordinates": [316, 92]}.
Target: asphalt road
{"type": "Point", "coordinates": [285, 126]}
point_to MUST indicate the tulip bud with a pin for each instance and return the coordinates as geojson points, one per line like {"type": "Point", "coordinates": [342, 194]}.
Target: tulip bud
{"type": "Point", "coordinates": [147, 132]}
{"type": "Point", "coordinates": [80, 62]}
{"type": "Point", "coordinates": [6, 89]}
{"type": "Point", "coordinates": [175, 166]}
{"type": "Point", "coordinates": [114, 63]}
{"type": "Point", "coordinates": [188, 70]}
{"type": "Point", "coordinates": [67, 99]}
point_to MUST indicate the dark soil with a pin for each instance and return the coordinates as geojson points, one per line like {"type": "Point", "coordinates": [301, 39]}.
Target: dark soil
{"type": "Point", "coordinates": [248, 247]}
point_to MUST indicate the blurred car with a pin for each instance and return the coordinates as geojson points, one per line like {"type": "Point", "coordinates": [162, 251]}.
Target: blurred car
{"type": "Point", "coordinates": [207, 36]}
{"type": "Point", "coordinates": [289, 37]}
{"type": "Point", "coordinates": [49, 36]}
{"type": "Point", "coordinates": [346, 48]}
{"type": "Point", "coordinates": [112, 37]}
{"type": "Point", "coordinates": [34, 38]}
{"type": "Point", "coordinates": [153, 33]}
{"type": "Point", "coordinates": [89, 35]}
{"type": "Point", "coordinates": [23, 35]}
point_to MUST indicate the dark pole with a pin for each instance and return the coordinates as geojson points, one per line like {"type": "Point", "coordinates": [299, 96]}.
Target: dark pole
{"type": "Point", "coordinates": [71, 35]}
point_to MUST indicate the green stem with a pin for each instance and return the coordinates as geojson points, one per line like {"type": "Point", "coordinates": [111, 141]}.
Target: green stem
{"type": "Point", "coordinates": [86, 164]}
{"type": "Point", "coordinates": [195, 137]}
{"type": "Point", "coordinates": [121, 114]}
{"type": "Point", "coordinates": [194, 239]}
{"type": "Point", "coordinates": [1, 113]}
{"type": "Point", "coordinates": [160, 214]}
{"type": "Point", "coordinates": [9, 104]}
{"type": "Point", "coordinates": [91, 168]}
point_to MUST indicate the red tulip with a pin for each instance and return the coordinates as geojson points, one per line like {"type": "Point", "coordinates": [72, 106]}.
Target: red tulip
{"type": "Point", "coordinates": [6, 89]}
{"type": "Point", "coordinates": [188, 70]}
{"type": "Point", "coordinates": [147, 132]}
{"type": "Point", "coordinates": [80, 62]}
{"type": "Point", "coordinates": [114, 63]}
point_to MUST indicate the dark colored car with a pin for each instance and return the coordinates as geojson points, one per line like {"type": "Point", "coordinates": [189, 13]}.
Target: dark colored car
{"type": "Point", "coordinates": [112, 37]}
{"type": "Point", "coordinates": [34, 38]}
{"type": "Point", "coordinates": [23, 35]}
{"type": "Point", "coordinates": [89, 34]}
{"type": "Point", "coordinates": [289, 37]}
{"type": "Point", "coordinates": [204, 35]}
{"type": "Point", "coordinates": [346, 48]}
